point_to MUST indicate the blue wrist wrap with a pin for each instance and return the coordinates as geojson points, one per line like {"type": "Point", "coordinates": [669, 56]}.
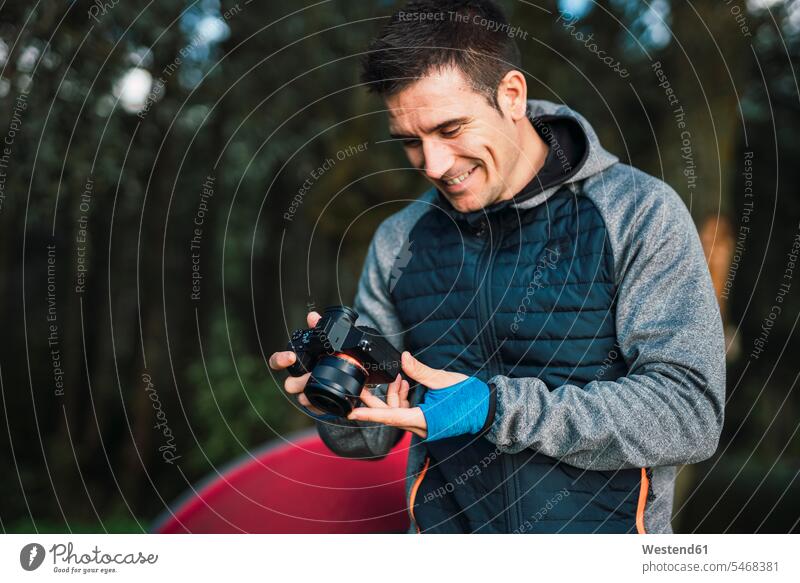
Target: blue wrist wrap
{"type": "Point", "coordinates": [456, 410]}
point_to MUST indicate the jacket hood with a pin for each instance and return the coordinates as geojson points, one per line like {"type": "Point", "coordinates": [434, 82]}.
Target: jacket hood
{"type": "Point", "coordinates": [597, 158]}
{"type": "Point", "coordinates": [575, 154]}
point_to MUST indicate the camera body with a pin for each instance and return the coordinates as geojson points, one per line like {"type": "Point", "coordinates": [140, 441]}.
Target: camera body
{"type": "Point", "coordinates": [341, 358]}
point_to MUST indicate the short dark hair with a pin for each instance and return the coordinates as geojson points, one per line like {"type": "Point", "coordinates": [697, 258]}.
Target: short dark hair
{"type": "Point", "coordinates": [425, 35]}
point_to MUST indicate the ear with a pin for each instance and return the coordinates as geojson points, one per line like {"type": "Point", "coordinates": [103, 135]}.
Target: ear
{"type": "Point", "coordinates": [512, 95]}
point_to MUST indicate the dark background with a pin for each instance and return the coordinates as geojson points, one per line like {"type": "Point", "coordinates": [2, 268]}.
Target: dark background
{"type": "Point", "coordinates": [257, 95]}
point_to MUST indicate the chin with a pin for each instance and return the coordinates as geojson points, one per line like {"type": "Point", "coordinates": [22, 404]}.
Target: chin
{"type": "Point", "coordinates": [466, 204]}
{"type": "Point", "coordinates": [468, 208]}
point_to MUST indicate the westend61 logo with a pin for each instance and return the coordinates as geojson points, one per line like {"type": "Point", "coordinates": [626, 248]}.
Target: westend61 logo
{"type": "Point", "coordinates": [66, 560]}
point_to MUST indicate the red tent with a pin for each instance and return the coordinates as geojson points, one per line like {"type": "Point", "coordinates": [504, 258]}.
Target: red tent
{"type": "Point", "coordinates": [296, 485]}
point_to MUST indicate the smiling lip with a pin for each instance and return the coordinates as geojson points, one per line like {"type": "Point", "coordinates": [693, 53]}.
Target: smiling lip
{"type": "Point", "coordinates": [458, 180]}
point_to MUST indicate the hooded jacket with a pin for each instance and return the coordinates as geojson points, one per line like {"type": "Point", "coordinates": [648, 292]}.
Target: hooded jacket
{"type": "Point", "coordinates": [586, 305]}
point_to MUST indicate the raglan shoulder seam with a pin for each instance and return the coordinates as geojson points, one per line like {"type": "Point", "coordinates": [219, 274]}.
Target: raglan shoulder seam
{"type": "Point", "coordinates": [391, 236]}
{"type": "Point", "coordinates": [631, 204]}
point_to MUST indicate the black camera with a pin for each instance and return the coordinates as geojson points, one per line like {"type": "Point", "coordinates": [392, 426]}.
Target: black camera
{"type": "Point", "coordinates": [341, 358]}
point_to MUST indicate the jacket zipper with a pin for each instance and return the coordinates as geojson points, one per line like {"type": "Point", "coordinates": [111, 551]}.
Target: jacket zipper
{"type": "Point", "coordinates": [484, 299]}
{"type": "Point", "coordinates": [650, 494]}
{"type": "Point", "coordinates": [491, 247]}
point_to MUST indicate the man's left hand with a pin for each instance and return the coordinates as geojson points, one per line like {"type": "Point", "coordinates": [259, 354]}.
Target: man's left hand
{"type": "Point", "coordinates": [396, 411]}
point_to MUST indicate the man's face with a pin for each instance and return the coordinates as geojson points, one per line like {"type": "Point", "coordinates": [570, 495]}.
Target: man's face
{"type": "Point", "coordinates": [463, 145]}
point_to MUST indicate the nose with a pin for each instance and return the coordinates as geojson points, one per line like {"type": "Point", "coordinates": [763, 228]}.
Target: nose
{"type": "Point", "coordinates": [438, 158]}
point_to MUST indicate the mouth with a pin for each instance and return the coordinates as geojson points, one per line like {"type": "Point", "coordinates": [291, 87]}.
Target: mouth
{"type": "Point", "coordinates": [457, 183]}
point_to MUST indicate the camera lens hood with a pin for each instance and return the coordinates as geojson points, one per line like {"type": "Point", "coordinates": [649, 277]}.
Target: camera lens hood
{"type": "Point", "coordinates": [335, 385]}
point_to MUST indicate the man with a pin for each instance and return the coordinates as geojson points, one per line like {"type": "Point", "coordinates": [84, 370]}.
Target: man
{"type": "Point", "coordinates": [556, 302]}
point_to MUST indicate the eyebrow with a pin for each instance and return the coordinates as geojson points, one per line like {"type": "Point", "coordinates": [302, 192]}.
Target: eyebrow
{"type": "Point", "coordinates": [444, 124]}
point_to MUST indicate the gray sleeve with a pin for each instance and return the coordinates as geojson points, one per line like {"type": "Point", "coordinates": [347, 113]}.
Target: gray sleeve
{"type": "Point", "coordinates": [359, 439]}
{"type": "Point", "coordinates": [669, 408]}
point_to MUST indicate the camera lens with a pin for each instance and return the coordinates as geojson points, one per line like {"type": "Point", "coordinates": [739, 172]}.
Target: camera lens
{"type": "Point", "coordinates": [335, 384]}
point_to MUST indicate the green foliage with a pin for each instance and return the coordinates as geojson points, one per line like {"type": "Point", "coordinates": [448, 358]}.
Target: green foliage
{"type": "Point", "coordinates": [236, 403]}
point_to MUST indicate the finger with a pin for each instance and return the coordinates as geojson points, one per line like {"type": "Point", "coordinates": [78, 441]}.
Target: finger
{"type": "Point", "coordinates": [412, 420]}
{"type": "Point", "coordinates": [282, 360]}
{"type": "Point", "coordinates": [393, 392]}
{"type": "Point", "coordinates": [404, 389]}
{"type": "Point", "coordinates": [371, 400]}
{"type": "Point", "coordinates": [303, 400]}
{"type": "Point", "coordinates": [294, 385]}
{"type": "Point", "coordinates": [430, 377]}
{"type": "Point", "coordinates": [312, 318]}
{"type": "Point", "coordinates": [423, 433]}
{"type": "Point", "coordinates": [387, 416]}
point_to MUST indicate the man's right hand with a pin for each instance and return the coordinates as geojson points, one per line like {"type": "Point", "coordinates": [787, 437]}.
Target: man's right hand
{"type": "Point", "coordinates": [295, 385]}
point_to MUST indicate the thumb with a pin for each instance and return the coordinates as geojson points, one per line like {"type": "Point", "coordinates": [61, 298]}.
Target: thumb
{"type": "Point", "coordinates": [313, 318]}
{"type": "Point", "coordinates": [430, 377]}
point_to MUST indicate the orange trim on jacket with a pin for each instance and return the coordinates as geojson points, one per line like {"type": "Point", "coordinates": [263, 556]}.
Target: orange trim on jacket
{"type": "Point", "coordinates": [644, 488]}
{"type": "Point", "coordinates": [414, 489]}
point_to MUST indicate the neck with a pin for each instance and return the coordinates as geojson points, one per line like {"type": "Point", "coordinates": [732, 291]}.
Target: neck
{"type": "Point", "coordinates": [533, 152]}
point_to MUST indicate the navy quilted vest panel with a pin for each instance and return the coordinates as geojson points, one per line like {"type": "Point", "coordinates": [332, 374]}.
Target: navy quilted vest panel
{"type": "Point", "coordinates": [522, 293]}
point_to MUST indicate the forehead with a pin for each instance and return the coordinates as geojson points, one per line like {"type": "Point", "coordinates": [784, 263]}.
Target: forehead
{"type": "Point", "coordinates": [440, 95]}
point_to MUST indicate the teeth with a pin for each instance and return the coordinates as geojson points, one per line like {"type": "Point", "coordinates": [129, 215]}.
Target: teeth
{"type": "Point", "coordinates": [459, 179]}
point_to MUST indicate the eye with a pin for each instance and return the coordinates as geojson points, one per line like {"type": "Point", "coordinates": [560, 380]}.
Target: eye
{"type": "Point", "coordinates": [411, 143]}
{"type": "Point", "coordinates": [451, 132]}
